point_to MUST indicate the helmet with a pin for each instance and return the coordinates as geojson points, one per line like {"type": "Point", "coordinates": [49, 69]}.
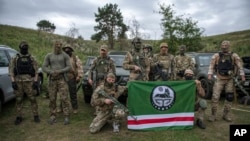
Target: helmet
{"type": "Point", "coordinates": [136, 40]}
{"type": "Point", "coordinates": [148, 46]}
{"type": "Point", "coordinates": [67, 46]}
{"type": "Point", "coordinates": [23, 43]}
{"type": "Point", "coordinates": [163, 45]}
{"type": "Point", "coordinates": [188, 71]}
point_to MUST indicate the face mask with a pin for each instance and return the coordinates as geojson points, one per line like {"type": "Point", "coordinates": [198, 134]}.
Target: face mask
{"type": "Point", "coordinates": [24, 50]}
{"type": "Point", "coordinates": [69, 53]}
{"type": "Point", "coordinates": [189, 77]}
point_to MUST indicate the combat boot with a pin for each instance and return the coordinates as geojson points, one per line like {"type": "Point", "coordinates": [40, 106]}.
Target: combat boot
{"type": "Point", "coordinates": [212, 118]}
{"type": "Point", "coordinates": [200, 124]}
{"type": "Point", "coordinates": [36, 119]}
{"type": "Point", "coordinates": [115, 127]}
{"type": "Point", "coordinates": [226, 116]}
{"type": "Point", "coordinates": [66, 120]}
{"type": "Point", "coordinates": [18, 120]}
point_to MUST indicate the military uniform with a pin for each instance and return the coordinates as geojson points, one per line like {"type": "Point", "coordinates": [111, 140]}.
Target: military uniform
{"type": "Point", "coordinates": [74, 76]}
{"type": "Point", "coordinates": [165, 62]}
{"type": "Point", "coordinates": [105, 112]}
{"type": "Point", "coordinates": [135, 59]}
{"type": "Point", "coordinates": [182, 62]}
{"type": "Point", "coordinates": [57, 64]}
{"type": "Point", "coordinates": [23, 70]}
{"type": "Point", "coordinates": [225, 65]}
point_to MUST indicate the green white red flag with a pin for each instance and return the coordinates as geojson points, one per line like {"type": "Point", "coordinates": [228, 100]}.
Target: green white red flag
{"type": "Point", "coordinates": [161, 105]}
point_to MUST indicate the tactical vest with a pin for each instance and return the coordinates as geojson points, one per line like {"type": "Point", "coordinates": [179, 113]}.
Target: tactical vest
{"type": "Point", "coordinates": [225, 64]}
{"type": "Point", "coordinates": [139, 59]}
{"type": "Point", "coordinates": [24, 65]}
{"type": "Point", "coordinates": [102, 67]}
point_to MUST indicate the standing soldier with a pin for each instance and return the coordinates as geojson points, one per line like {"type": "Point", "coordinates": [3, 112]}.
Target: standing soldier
{"type": "Point", "coordinates": [74, 76]}
{"type": "Point", "coordinates": [225, 64]}
{"type": "Point", "coordinates": [102, 98]}
{"type": "Point", "coordinates": [200, 104]}
{"type": "Point", "coordinates": [136, 62]}
{"type": "Point", "coordinates": [147, 51]}
{"type": "Point", "coordinates": [23, 70]}
{"type": "Point", "coordinates": [57, 64]}
{"type": "Point", "coordinates": [182, 62]}
{"type": "Point", "coordinates": [163, 63]}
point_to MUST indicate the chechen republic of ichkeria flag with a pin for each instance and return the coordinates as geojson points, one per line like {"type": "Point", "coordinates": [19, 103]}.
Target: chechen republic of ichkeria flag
{"type": "Point", "coordinates": [161, 105]}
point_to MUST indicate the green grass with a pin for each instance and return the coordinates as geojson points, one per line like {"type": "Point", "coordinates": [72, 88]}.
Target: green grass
{"type": "Point", "coordinates": [77, 130]}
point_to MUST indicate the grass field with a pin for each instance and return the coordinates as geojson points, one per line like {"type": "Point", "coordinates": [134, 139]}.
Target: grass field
{"type": "Point", "coordinates": [77, 130]}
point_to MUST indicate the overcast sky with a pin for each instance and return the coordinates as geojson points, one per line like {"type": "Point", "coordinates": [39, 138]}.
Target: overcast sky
{"type": "Point", "coordinates": [215, 16]}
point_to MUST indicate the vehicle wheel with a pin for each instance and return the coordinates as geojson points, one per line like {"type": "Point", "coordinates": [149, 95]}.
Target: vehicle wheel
{"type": "Point", "coordinates": [39, 89]}
{"type": "Point", "coordinates": [205, 86]}
{"type": "Point", "coordinates": [87, 93]}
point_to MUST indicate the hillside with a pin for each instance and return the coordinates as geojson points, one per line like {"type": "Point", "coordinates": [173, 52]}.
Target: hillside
{"type": "Point", "coordinates": [41, 43]}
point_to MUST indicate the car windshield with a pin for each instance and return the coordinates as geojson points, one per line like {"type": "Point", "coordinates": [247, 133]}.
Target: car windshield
{"type": "Point", "coordinates": [118, 60]}
{"type": "Point", "coordinates": [205, 60]}
{"type": "Point", "coordinates": [3, 59]}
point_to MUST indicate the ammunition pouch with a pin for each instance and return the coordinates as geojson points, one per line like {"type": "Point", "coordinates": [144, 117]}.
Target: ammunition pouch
{"type": "Point", "coordinates": [224, 72]}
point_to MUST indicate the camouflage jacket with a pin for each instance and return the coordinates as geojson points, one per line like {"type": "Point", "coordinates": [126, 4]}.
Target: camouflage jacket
{"type": "Point", "coordinates": [136, 59]}
{"type": "Point", "coordinates": [97, 99]}
{"type": "Point", "coordinates": [103, 66]}
{"type": "Point", "coordinates": [182, 63]}
{"type": "Point", "coordinates": [166, 62]}
{"type": "Point", "coordinates": [24, 77]}
{"type": "Point", "coordinates": [236, 62]}
{"type": "Point", "coordinates": [76, 69]}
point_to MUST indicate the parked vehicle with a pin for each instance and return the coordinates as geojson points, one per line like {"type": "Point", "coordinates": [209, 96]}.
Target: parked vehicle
{"type": "Point", "coordinates": [6, 90]}
{"type": "Point", "coordinates": [202, 62]}
{"type": "Point", "coordinates": [88, 63]}
{"type": "Point", "coordinates": [122, 77]}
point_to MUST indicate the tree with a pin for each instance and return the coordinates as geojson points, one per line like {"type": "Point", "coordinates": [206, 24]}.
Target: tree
{"type": "Point", "coordinates": [110, 24]}
{"type": "Point", "coordinates": [178, 30]}
{"type": "Point", "coordinates": [45, 25]}
{"type": "Point", "coordinates": [72, 33]}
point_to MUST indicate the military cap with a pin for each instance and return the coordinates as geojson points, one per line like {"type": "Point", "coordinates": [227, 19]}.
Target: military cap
{"type": "Point", "coordinates": [67, 46]}
{"type": "Point", "coordinates": [163, 45]}
{"type": "Point", "coordinates": [104, 47]}
{"type": "Point", "coordinates": [188, 71]}
{"type": "Point", "coordinates": [110, 75]}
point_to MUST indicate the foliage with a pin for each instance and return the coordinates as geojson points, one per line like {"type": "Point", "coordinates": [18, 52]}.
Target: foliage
{"type": "Point", "coordinates": [110, 24]}
{"type": "Point", "coordinates": [45, 25]}
{"type": "Point", "coordinates": [178, 30]}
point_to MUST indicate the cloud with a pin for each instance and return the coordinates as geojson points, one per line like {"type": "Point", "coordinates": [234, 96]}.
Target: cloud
{"type": "Point", "coordinates": [215, 16]}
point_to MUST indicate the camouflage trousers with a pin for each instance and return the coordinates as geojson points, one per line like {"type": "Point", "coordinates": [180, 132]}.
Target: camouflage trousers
{"type": "Point", "coordinates": [72, 93]}
{"type": "Point", "coordinates": [217, 89]}
{"type": "Point", "coordinates": [58, 87]}
{"type": "Point", "coordinates": [25, 88]}
{"type": "Point", "coordinates": [200, 108]}
{"type": "Point", "coordinates": [102, 118]}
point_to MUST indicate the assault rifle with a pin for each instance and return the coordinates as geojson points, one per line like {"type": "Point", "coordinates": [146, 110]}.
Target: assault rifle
{"type": "Point", "coordinates": [94, 77]}
{"type": "Point", "coordinates": [157, 71]}
{"type": "Point", "coordinates": [239, 85]}
{"type": "Point", "coordinates": [116, 102]}
{"type": "Point", "coordinates": [142, 71]}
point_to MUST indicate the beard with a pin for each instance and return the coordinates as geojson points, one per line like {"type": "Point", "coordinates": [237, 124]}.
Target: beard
{"type": "Point", "coordinates": [57, 50]}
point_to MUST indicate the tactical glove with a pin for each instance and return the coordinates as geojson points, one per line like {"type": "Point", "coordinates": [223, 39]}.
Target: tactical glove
{"type": "Point", "coordinates": [35, 85]}
{"type": "Point", "coordinates": [14, 86]}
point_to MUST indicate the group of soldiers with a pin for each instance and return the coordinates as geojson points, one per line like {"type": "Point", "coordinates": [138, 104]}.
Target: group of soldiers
{"type": "Point", "coordinates": [143, 65]}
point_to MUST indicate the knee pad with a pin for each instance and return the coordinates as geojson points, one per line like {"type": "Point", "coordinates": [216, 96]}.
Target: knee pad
{"type": "Point", "coordinates": [229, 97]}
{"type": "Point", "coordinates": [203, 104]}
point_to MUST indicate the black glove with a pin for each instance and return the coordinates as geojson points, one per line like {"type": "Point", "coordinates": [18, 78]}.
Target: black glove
{"type": "Point", "coordinates": [35, 85]}
{"type": "Point", "coordinates": [14, 86]}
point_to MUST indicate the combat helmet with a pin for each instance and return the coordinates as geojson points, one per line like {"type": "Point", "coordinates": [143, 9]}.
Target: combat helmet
{"type": "Point", "coordinates": [136, 40]}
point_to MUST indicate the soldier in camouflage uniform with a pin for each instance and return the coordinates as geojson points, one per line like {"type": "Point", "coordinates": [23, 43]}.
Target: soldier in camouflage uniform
{"type": "Point", "coordinates": [165, 61]}
{"type": "Point", "coordinates": [225, 64]}
{"type": "Point", "coordinates": [102, 65]}
{"type": "Point", "coordinates": [106, 108]}
{"type": "Point", "coordinates": [23, 71]}
{"type": "Point", "coordinates": [182, 62]}
{"type": "Point", "coordinates": [200, 104]}
{"type": "Point", "coordinates": [147, 51]}
{"type": "Point", "coordinates": [136, 62]}
{"type": "Point", "coordinates": [74, 76]}
{"type": "Point", "coordinates": [57, 64]}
